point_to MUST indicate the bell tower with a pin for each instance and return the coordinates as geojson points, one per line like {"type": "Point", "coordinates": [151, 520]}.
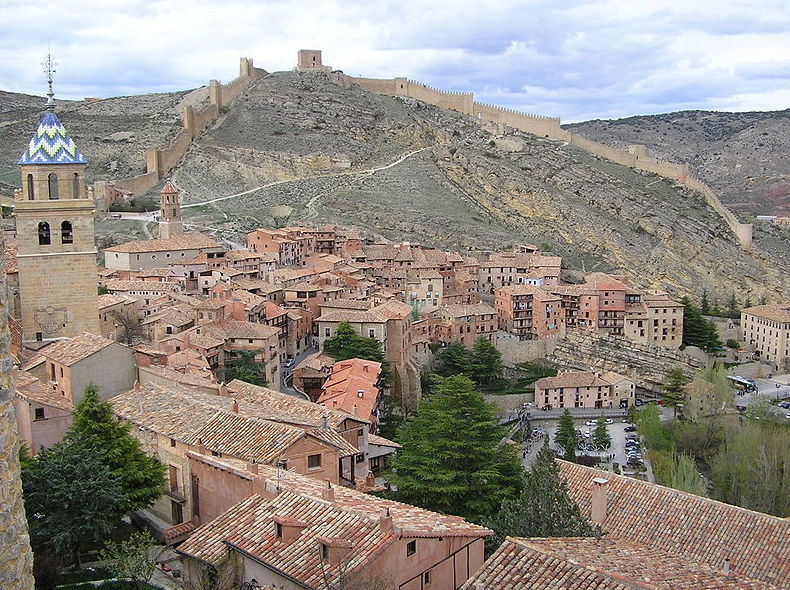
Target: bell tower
{"type": "Point", "coordinates": [55, 236]}
{"type": "Point", "coordinates": [169, 212]}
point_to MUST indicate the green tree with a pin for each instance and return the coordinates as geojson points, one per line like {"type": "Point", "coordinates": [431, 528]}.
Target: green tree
{"type": "Point", "coordinates": [674, 394]}
{"type": "Point", "coordinates": [452, 460]}
{"type": "Point", "coordinates": [710, 392]}
{"type": "Point", "coordinates": [542, 509]}
{"type": "Point", "coordinates": [485, 362]}
{"type": "Point", "coordinates": [244, 367]}
{"type": "Point", "coordinates": [102, 290]}
{"type": "Point", "coordinates": [131, 559]}
{"type": "Point", "coordinates": [71, 498]}
{"type": "Point", "coordinates": [454, 359]}
{"type": "Point", "coordinates": [697, 331]}
{"type": "Point", "coordinates": [704, 305]}
{"type": "Point", "coordinates": [566, 436]}
{"type": "Point", "coordinates": [142, 477]}
{"type": "Point", "coordinates": [654, 434]}
{"type": "Point", "coordinates": [600, 437]}
{"type": "Point", "coordinates": [347, 344]}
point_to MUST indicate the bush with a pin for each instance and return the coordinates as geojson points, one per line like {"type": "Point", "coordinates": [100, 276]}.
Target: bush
{"type": "Point", "coordinates": [733, 343]}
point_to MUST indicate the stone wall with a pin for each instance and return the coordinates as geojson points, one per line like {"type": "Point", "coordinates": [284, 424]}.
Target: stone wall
{"type": "Point", "coordinates": [160, 161]}
{"type": "Point", "coordinates": [16, 557]}
{"type": "Point", "coordinates": [645, 364]}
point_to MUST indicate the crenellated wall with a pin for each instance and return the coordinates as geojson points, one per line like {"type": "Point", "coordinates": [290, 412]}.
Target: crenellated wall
{"type": "Point", "coordinates": [159, 161]}
{"type": "Point", "coordinates": [549, 127]}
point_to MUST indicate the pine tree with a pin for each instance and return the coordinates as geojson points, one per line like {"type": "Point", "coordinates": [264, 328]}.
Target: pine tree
{"type": "Point", "coordinates": [485, 362]}
{"type": "Point", "coordinates": [600, 437]}
{"type": "Point", "coordinates": [697, 331]}
{"type": "Point", "coordinates": [704, 305]}
{"type": "Point", "coordinates": [566, 436]}
{"type": "Point", "coordinates": [454, 360]}
{"type": "Point", "coordinates": [451, 460]}
{"type": "Point", "coordinates": [71, 498]}
{"type": "Point", "coordinates": [94, 426]}
{"type": "Point", "coordinates": [674, 394]}
{"type": "Point", "coordinates": [542, 509]}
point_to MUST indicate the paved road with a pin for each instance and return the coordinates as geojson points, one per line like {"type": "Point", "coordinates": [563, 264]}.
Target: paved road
{"type": "Point", "coordinates": [285, 384]}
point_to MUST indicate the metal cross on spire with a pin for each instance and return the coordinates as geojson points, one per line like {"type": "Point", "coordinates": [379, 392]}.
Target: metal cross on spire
{"type": "Point", "coordinates": [49, 69]}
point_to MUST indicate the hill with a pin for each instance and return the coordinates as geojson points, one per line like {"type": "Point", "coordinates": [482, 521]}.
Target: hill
{"type": "Point", "coordinates": [313, 147]}
{"type": "Point", "coordinates": [743, 156]}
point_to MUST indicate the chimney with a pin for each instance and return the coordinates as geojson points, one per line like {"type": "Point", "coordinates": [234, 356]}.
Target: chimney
{"type": "Point", "coordinates": [234, 407]}
{"type": "Point", "coordinates": [385, 520]}
{"type": "Point", "coordinates": [360, 393]}
{"type": "Point", "coordinates": [328, 493]}
{"type": "Point", "coordinates": [598, 508]}
{"type": "Point", "coordinates": [223, 390]}
{"type": "Point", "coordinates": [252, 467]}
{"type": "Point", "coordinates": [370, 480]}
{"type": "Point", "coordinates": [365, 367]}
{"type": "Point", "coordinates": [324, 423]}
{"type": "Point", "coordinates": [201, 448]}
{"type": "Point", "coordinates": [726, 567]}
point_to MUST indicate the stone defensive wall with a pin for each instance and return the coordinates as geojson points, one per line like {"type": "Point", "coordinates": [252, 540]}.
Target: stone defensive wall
{"type": "Point", "coordinates": [160, 161]}
{"type": "Point", "coordinates": [549, 127]}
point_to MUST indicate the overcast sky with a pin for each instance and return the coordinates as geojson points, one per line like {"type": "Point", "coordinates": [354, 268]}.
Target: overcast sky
{"type": "Point", "coordinates": [569, 58]}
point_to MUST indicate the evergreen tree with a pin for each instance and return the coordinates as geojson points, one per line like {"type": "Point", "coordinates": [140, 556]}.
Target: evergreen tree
{"type": "Point", "coordinates": [71, 498]}
{"type": "Point", "coordinates": [244, 367]}
{"type": "Point", "coordinates": [566, 436]}
{"type": "Point", "coordinates": [347, 344]}
{"type": "Point", "coordinates": [704, 305]}
{"type": "Point", "coordinates": [454, 360]}
{"type": "Point", "coordinates": [600, 437]}
{"type": "Point", "coordinates": [542, 509]}
{"type": "Point", "coordinates": [675, 381]}
{"type": "Point", "coordinates": [485, 362]}
{"type": "Point", "coordinates": [142, 477]}
{"type": "Point", "coordinates": [733, 309]}
{"type": "Point", "coordinates": [451, 460]}
{"type": "Point", "coordinates": [697, 331]}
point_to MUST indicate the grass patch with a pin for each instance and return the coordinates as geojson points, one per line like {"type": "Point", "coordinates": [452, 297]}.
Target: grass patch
{"type": "Point", "coordinates": [86, 575]}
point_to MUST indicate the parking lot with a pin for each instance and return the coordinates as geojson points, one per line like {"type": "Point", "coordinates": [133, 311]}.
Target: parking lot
{"type": "Point", "coordinates": [616, 432]}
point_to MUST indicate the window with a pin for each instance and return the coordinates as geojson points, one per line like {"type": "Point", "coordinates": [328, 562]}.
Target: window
{"type": "Point", "coordinates": [30, 190]}
{"type": "Point", "coordinates": [39, 413]}
{"type": "Point", "coordinates": [278, 530]}
{"type": "Point", "coordinates": [411, 548]}
{"type": "Point", "coordinates": [314, 461]}
{"type": "Point", "coordinates": [172, 442]}
{"type": "Point", "coordinates": [75, 186]}
{"type": "Point", "coordinates": [371, 333]}
{"type": "Point", "coordinates": [52, 183]}
{"type": "Point", "coordinates": [327, 332]}
{"type": "Point", "coordinates": [66, 235]}
{"type": "Point", "coordinates": [426, 577]}
{"type": "Point", "coordinates": [43, 234]}
{"type": "Point", "coordinates": [360, 458]}
{"type": "Point", "coordinates": [324, 551]}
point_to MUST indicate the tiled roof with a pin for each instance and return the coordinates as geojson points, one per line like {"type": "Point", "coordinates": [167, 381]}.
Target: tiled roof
{"type": "Point", "coordinates": [110, 300]}
{"type": "Point", "coordinates": [148, 286]}
{"type": "Point", "coordinates": [352, 316]}
{"type": "Point", "coordinates": [184, 241]}
{"type": "Point", "coordinates": [777, 313]}
{"type": "Point", "coordinates": [317, 361]}
{"type": "Point", "coordinates": [196, 418]}
{"type": "Point", "coordinates": [168, 189]}
{"type": "Point", "coordinates": [51, 145]}
{"type": "Point", "coordinates": [375, 439]}
{"type": "Point", "coordinates": [460, 310]}
{"type": "Point", "coordinates": [73, 350]}
{"type": "Point", "coordinates": [176, 315]}
{"type": "Point", "coordinates": [704, 530]}
{"type": "Point", "coordinates": [589, 563]}
{"type": "Point", "coordinates": [351, 387]}
{"type": "Point", "coordinates": [30, 388]}
{"type": "Point", "coordinates": [273, 405]}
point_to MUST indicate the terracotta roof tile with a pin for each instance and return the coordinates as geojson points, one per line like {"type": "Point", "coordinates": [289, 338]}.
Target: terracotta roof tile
{"type": "Point", "coordinates": [73, 350]}
{"type": "Point", "coordinates": [185, 241]}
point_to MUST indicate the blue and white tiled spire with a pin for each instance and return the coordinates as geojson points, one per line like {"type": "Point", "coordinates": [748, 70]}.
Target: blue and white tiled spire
{"type": "Point", "coordinates": [51, 144]}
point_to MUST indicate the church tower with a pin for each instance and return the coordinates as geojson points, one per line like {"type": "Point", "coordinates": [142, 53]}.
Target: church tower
{"type": "Point", "coordinates": [169, 212]}
{"type": "Point", "coordinates": [55, 237]}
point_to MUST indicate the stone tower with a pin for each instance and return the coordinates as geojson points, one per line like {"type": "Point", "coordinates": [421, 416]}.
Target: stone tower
{"type": "Point", "coordinates": [169, 212]}
{"type": "Point", "coordinates": [16, 558]}
{"type": "Point", "coordinates": [55, 237]}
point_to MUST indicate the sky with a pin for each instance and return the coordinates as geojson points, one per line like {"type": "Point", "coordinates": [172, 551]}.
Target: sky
{"type": "Point", "coordinates": [574, 59]}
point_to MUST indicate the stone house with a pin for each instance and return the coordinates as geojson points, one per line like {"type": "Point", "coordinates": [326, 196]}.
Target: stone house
{"type": "Point", "coordinates": [467, 323]}
{"type": "Point", "coordinates": [148, 254]}
{"type": "Point", "coordinates": [307, 534]}
{"type": "Point", "coordinates": [767, 328]}
{"type": "Point", "coordinates": [529, 312]}
{"type": "Point", "coordinates": [290, 245]}
{"type": "Point", "coordinates": [584, 389]}
{"type": "Point", "coordinates": [168, 322]}
{"type": "Point", "coordinates": [43, 415]}
{"type": "Point", "coordinates": [110, 307]}
{"type": "Point", "coordinates": [517, 268]}
{"type": "Point", "coordinates": [352, 387]}
{"type": "Point", "coordinates": [172, 421]}
{"type": "Point", "coordinates": [310, 374]}
{"type": "Point", "coordinates": [70, 365]}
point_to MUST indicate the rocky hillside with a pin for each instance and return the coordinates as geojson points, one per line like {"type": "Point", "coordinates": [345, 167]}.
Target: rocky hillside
{"type": "Point", "coordinates": [743, 156]}
{"type": "Point", "coordinates": [313, 148]}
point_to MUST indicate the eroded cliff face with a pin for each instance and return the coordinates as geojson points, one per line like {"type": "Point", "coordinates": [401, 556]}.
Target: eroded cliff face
{"type": "Point", "coordinates": [468, 188]}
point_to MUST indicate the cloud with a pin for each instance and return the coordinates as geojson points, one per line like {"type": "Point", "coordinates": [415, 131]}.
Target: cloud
{"type": "Point", "coordinates": [574, 59]}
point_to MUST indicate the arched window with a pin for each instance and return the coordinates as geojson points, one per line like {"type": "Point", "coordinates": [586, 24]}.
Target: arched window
{"type": "Point", "coordinates": [30, 190]}
{"type": "Point", "coordinates": [66, 236]}
{"type": "Point", "coordinates": [53, 185]}
{"type": "Point", "coordinates": [75, 186]}
{"type": "Point", "coordinates": [43, 234]}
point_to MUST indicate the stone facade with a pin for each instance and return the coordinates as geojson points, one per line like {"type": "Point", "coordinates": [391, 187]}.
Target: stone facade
{"type": "Point", "coordinates": [16, 556]}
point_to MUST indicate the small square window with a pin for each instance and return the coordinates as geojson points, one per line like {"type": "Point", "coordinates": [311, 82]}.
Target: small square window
{"type": "Point", "coordinates": [39, 413]}
{"type": "Point", "coordinates": [172, 442]}
{"type": "Point", "coordinates": [360, 458]}
{"type": "Point", "coordinates": [411, 548]}
{"type": "Point", "coordinates": [313, 461]}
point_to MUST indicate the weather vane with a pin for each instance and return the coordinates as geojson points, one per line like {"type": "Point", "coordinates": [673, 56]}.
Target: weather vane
{"type": "Point", "coordinates": [49, 69]}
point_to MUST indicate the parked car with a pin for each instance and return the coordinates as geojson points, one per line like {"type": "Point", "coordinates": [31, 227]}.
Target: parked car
{"type": "Point", "coordinates": [289, 363]}
{"type": "Point", "coordinates": [609, 421]}
{"type": "Point", "coordinates": [630, 428]}
{"type": "Point", "coordinates": [787, 415]}
{"type": "Point", "coordinates": [591, 422]}
{"type": "Point", "coordinates": [784, 405]}
{"type": "Point", "coordinates": [631, 436]}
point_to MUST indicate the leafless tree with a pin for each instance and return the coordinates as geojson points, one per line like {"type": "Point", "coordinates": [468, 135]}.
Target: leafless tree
{"type": "Point", "coordinates": [128, 327]}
